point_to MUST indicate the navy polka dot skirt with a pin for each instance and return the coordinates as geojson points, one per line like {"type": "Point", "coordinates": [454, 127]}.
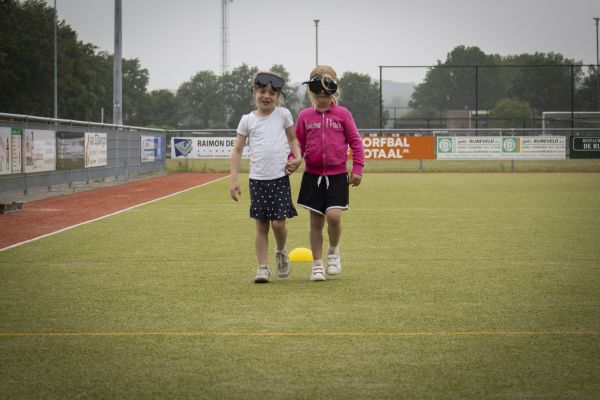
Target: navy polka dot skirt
{"type": "Point", "coordinates": [271, 199]}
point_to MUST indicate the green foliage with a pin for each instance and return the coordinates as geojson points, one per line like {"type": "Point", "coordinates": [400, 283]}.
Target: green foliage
{"type": "Point", "coordinates": [236, 93]}
{"type": "Point", "coordinates": [85, 76]}
{"type": "Point", "coordinates": [544, 86]}
{"type": "Point", "coordinates": [542, 80]}
{"type": "Point", "coordinates": [360, 94]}
{"type": "Point", "coordinates": [26, 57]}
{"type": "Point", "coordinates": [198, 102]}
{"type": "Point", "coordinates": [448, 88]}
{"type": "Point", "coordinates": [587, 95]}
{"type": "Point", "coordinates": [161, 109]}
{"type": "Point", "coordinates": [292, 100]}
{"type": "Point", "coordinates": [85, 81]}
{"type": "Point", "coordinates": [509, 112]}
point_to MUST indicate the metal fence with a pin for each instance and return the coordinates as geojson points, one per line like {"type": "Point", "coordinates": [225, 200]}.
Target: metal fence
{"type": "Point", "coordinates": [452, 96]}
{"type": "Point", "coordinates": [123, 154]}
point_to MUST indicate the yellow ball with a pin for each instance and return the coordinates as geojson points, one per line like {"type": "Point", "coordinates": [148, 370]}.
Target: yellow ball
{"type": "Point", "coordinates": [300, 254]}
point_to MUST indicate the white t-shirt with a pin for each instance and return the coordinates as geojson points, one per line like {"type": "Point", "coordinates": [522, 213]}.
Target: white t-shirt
{"type": "Point", "coordinates": [267, 142]}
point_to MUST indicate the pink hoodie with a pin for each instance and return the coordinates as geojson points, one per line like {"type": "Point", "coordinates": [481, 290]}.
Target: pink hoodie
{"type": "Point", "coordinates": [324, 138]}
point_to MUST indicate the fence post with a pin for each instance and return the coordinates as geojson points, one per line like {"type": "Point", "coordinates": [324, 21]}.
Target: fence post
{"type": "Point", "coordinates": [380, 97]}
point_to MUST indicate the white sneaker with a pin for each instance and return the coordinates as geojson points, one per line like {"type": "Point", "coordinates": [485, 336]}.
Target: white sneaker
{"type": "Point", "coordinates": [334, 264]}
{"type": "Point", "coordinates": [263, 274]}
{"type": "Point", "coordinates": [318, 273]}
{"type": "Point", "coordinates": [282, 263]}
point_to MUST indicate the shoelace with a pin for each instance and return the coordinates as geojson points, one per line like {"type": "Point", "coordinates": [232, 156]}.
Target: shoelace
{"type": "Point", "coordinates": [282, 259]}
{"type": "Point", "coordinates": [263, 269]}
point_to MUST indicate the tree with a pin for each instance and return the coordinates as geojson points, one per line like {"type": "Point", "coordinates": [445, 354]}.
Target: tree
{"type": "Point", "coordinates": [160, 110]}
{"type": "Point", "coordinates": [135, 82]}
{"type": "Point", "coordinates": [545, 81]}
{"type": "Point", "coordinates": [361, 96]}
{"type": "Point", "coordinates": [451, 85]}
{"type": "Point", "coordinates": [471, 79]}
{"type": "Point", "coordinates": [236, 93]}
{"type": "Point", "coordinates": [85, 77]}
{"type": "Point", "coordinates": [292, 100]}
{"type": "Point", "coordinates": [26, 57]}
{"type": "Point", "coordinates": [510, 113]}
{"type": "Point", "coordinates": [587, 94]}
{"type": "Point", "coordinates": [199, 104]}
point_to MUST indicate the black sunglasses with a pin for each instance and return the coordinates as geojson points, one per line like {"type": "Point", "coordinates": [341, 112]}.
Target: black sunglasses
{"type": "Point", "coordinates": [263, 79]}
{"type": "Point", "coordinates": [318, 84]}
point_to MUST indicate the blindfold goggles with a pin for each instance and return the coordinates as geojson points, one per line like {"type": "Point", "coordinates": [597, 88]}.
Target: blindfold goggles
{"type": "Point", "coordinates": [263, 79]}
{"type": "Point", "coordinates": [318, 84]}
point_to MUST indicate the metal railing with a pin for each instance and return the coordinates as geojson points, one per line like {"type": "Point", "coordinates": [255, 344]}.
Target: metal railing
{"type": "Point", "coordinates": [123, 149]}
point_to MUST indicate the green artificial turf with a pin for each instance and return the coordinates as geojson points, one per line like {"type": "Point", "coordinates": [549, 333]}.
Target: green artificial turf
{"type": "Point", "coordinates": [454, 286]}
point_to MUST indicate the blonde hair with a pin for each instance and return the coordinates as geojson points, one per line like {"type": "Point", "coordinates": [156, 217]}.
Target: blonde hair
{"type": "Point", "coordinates": [280, 94]}
{"type": "Point", "coordinates": [324, 71]}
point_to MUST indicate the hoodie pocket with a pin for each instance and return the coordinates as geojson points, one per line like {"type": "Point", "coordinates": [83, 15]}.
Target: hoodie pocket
{"type": "Point", "coordinates": [313, 151]}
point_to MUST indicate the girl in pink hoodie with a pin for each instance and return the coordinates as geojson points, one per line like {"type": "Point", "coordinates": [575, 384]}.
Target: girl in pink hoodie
{"type": "Point", "coordinates": [325, 131]}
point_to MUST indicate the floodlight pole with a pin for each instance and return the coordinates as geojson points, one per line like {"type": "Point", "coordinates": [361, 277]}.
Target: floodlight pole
{"type": "Point", "coordinates": [117, 76]}
{"type": "Point", "coordinates": [597, 67]}
{"type": "Point", "coordinates": [56, 62]}
{"type": "Point", "coordinates": [381, 97]}
{"type": "Point", "coordinates": [316, 42]}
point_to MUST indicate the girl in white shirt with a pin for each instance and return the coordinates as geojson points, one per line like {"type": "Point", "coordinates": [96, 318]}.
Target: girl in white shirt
{"type": "Point", "coordinates": [269, 132]}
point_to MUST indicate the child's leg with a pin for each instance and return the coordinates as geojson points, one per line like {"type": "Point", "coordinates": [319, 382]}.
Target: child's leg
{"type": "Point", "coordinates": [334, 229]}
{"type": "Point", "coordinates": [261, 241]}
{"type": "Point", "coordinates": [280, 232]}
{"type": "Point", "coordinates": [315, 235]}
{"type": "Point", "coordinates": [282, 262]}
{"type": "Point", "coordinates": [334, 226]}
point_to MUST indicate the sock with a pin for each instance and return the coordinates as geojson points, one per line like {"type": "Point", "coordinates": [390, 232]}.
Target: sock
{"type": "Point", "coordinates": [318, 263]}
{"type": "Point", "coordinates": [333, 250]}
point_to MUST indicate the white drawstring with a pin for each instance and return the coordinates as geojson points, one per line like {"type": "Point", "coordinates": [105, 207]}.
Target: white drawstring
{"type": "Point", "coordinates": [326, 181]}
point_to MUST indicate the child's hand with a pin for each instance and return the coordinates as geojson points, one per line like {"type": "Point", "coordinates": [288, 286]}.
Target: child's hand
{"type": "Point", "coordinates": [235, 191]}
{"type": "Point", "coordinates": [292, 165]}
{"type": "Point", "coordinates": [354, 179]}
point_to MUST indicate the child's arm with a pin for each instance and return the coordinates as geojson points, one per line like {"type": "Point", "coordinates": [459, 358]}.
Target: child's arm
{"type": "Point", "coordinates": [300, 133]}
{"type": "Point", "coordinates": [293, 163]}
{"type": "Point", "coordinates": [234, 165]}
{"type": "Point", "coordinates": [358, 153]}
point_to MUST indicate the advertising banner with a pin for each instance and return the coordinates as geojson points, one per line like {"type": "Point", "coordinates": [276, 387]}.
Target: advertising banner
{"type": "Point", "coordinates": [585, 147]}
{"type": "Point", "coordinates": [151, 148]}
{"type": "Point", "coordinates": [5, 151]}
{"type": "Point", "coordinates": [69, 150]}
{"type": "Point", "coordinates": [501, 148]}
{"type": "Point", "coordinates": [468, 147]}
{"type": "Point", "coordinates": [534, 148]}
{"type": "Point", "coordinates": [16, 150]}
{"type": "Point", "coordinates": [96, 153]}
{"type": "Point", "coordinates": [399, 147]}
{"type": "Point", "coordinates": [203, 147]}
{"type": "Point", "coordinates": [39, 150]}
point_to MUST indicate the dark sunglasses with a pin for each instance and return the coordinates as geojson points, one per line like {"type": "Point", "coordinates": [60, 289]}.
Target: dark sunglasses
{"type": "Point", "coordinates": [318, 84]}
{"type": "Point", "coordinates": [263, 79]}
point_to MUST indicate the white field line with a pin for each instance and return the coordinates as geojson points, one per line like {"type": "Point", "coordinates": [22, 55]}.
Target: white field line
{"type": "Point", "coordinates": [108, 215]}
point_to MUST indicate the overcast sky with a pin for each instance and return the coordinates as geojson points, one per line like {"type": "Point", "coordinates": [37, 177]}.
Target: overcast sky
{"type": "Point", "coordinates": [174, 39]}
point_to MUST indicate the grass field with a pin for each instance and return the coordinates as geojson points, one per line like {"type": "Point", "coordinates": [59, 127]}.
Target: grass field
{"type": "Point", "coordinates": [455, 286]}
